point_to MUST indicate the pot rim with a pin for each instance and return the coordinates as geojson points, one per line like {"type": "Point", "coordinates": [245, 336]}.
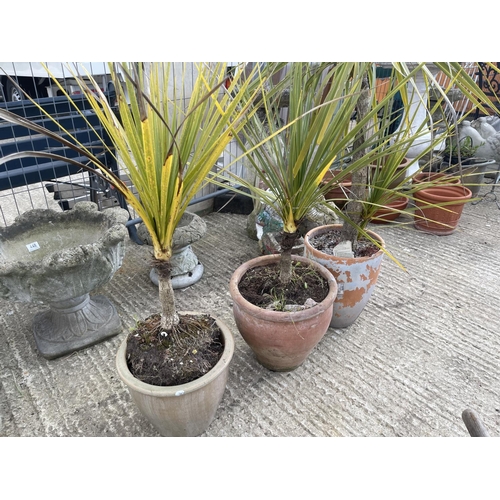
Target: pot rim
{"type": "Point", "coordinates": [400, 201]}
{"type": "Point", "coordinates": [347, 182]}
{"type": "Point", "coordinates": [446, 192]}
{"type": "Point", "coordinates": [328, 227]}
{"type": "Point", "coordinates": [109, 224]}
{"type": "Point", "coordinates": [442, 178]}
{"type": "Point", "coordinates": [181, 389]}
{"type": "Point", "coordinates": [282, 316]}
{"type": "Point", "coordinates": [405, 163]}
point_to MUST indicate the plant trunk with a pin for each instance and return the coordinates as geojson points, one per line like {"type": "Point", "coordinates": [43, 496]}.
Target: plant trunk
{"type": "Point", "coordinates": [287, 244]}
{"type": "Point", "coordinates": [169, 317]}
{"type": "Point", "coordinates": [354, 208]}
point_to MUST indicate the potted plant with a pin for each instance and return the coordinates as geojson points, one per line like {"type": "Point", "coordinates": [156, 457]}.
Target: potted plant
{"type": "Point", "coordinates": [371, 140]}
{"type": "Point", "coordinates": [379, 165]}
{"type": "Point", "coordinates": [440, 196]}
{"type": "Point", "coordinates": [461, 151]}
{"type": "Point", "coordinates": [175, 364]}
{"type": "Point", "coordinates": [461, 159]}
{"type": "Point", "coordinates": [378, 191]}
{"type": "Point", "coordinates": [291, 160]}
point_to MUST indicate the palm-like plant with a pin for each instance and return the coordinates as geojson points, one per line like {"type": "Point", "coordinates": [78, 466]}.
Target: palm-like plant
{"type": "Point", "coordinates": [334, 117]}
{"type": "Point", "coordinates": [387, 182]}
{"type": "Point", "coordinates": [293, 159]}
{"type": "Point", "coordinates": [168, 141]}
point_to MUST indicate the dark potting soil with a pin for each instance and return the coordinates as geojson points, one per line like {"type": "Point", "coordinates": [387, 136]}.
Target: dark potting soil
{"type": "Point", "coordinates": [328, 240]}
{"type": "Point", "coordinates": [186, 353]}
{"type": "Point", "coordinates": [261, 286]}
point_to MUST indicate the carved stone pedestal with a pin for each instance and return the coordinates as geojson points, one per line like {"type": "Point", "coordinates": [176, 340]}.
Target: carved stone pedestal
{"type": "Point", "coordinates": [73, 324]}
{"type": "Point", "coordinates": [58, 259]}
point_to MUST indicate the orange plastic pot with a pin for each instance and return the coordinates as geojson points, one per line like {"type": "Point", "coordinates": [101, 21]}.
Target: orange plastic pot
{"type": "Point", "coordinates": [281, 341]}
{"type": "Point", "coordinates": [441, 220]}
{"type": "Point", "coordinates": [356, 277]}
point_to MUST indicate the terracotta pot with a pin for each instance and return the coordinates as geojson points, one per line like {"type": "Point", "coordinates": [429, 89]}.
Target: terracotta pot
{"type": "Point", "coordinates": [184, 410]}
{"type": "Point", "coordinates": [356, 277]}
{"type": "Point", "coordinates": [339, 193]}
{"type": "Point", "coordinates": [441, 220]}
{"type": "Point", "coordinates": [401, 172]}
{"type": "Point", "coordinates": [281, 341]}
{"type": "Point", "coordinates": [436, 178]}
{"type": "Point", "coordinates": [390, 212]}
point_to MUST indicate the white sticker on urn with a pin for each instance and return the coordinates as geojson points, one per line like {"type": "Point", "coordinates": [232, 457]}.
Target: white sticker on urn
{"type": "Point", "coordinates": [33, 246]}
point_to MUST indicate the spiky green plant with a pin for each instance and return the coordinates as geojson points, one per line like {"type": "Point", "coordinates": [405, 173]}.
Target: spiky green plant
{"type": "Point", "coordinates": [167, 139]}
{"type": "Point", "coordinates": [387, 182]}
{"type": "Point", "coordinates": [335, 117]}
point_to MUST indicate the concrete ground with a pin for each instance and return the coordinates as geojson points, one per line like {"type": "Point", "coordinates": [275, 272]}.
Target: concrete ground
{"type": "Point", "coordinates": [426, 347]}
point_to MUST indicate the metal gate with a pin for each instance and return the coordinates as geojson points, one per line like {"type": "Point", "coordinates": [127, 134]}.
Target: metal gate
{"type": "Point", "coordinates": [63, 193]}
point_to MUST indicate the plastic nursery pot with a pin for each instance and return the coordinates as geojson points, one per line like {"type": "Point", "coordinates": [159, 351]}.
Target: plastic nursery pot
{"type": "Point", "coordinates": [281, 341]}
{"type": "Point", "coordinates": [390, 212]}
{"type": "Point", "coordinates": [356, 277]}
{"type": "Point", "coordinates": [440, 220]}
{"type": "Point", "coordinates": [184, 410]}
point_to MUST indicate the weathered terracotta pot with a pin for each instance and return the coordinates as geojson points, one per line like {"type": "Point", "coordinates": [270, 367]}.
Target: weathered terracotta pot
{"type": "Point", "coordinates": [441, 220]}
{"type": "Point", "coordinates": [184, 410]}
{"type": "Point", "coordinates": [281, 341]}
{"type": "Point", "coordinates": [356, 277]}
{"type": "Point", "coordinates": [390, 212]}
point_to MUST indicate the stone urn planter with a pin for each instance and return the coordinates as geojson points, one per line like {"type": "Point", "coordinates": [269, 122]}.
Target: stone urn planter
{"type": "Point", "coordinates": [184, 410]}
{"type": "Point", "coordinates": [356, 277]}
{"type": "Point", "coordinates": [186, 269]}
{"type": "Point", "coordinates": [281, 340]}
{"type": "Point", "coordinates": [58, 258]}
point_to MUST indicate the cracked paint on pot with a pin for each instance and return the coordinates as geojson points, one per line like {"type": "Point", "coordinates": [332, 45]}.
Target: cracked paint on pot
{"type": "Point", "coordinates": [356, 277]}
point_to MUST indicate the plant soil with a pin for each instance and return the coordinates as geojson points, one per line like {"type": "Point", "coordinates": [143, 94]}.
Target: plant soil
{"type": "Point", "coordinates": [328, 240]}
{"type": "Point", "coordinates": [186, 353]}
{"type": "Point", "coordinates": [261, 286]}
